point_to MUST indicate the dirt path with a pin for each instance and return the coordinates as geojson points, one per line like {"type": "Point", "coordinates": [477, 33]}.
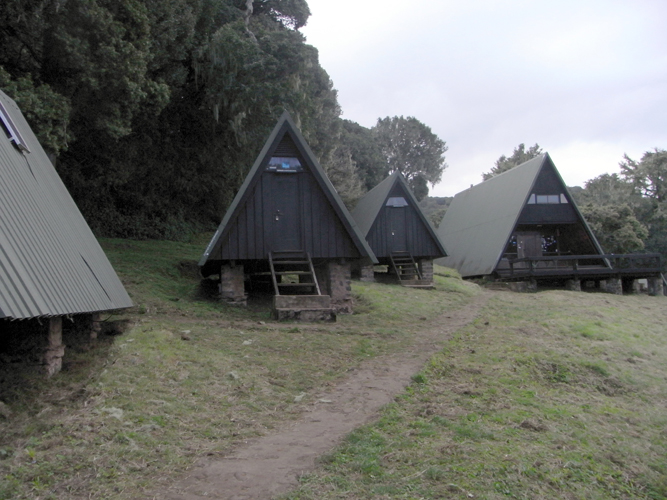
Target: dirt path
{"type": "Point", "coordinates": [271, 465]}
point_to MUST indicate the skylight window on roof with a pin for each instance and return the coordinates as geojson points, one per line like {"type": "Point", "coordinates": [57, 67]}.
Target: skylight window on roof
{"type": "Point", "coordinates": [12, 132]}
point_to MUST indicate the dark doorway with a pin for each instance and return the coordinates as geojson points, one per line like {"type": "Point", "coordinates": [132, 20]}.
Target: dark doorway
{"type": "Point", "coordinates": [529, 244]}
{"type": "Point", "coordinates": [285, 213]}
{"type": "Point", "coordinates": [398, 238]}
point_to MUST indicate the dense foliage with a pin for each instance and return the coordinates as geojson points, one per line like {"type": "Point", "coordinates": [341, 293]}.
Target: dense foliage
{"type": "Point", "coordinates": [628, 212]}
{"type": "Point", "coordinates": [519, 155]}
{"type": "Point", "coordinates": [155, 110]}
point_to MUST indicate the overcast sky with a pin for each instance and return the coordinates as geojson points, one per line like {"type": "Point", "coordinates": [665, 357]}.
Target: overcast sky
{"type": "Point", "coordinates": [586, 79]}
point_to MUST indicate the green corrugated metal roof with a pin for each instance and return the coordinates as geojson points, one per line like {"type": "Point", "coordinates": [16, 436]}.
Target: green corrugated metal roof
{"type": "Point", "coordinates": [369, 206]}
{"type": "Point", "coordinates": [344, 215]}
{"type": "Point", "coordinates": [480, 219]}
{"type": "Point", "coordinates": [50, 262]}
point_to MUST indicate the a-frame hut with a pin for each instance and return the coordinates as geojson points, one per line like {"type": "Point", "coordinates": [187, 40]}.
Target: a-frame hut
{"type": "Point", "coordinates": [398, 232]}
{"type": "Point", "coordinates": [525, 213]}
{"type": "Point", "coordinates": [51, 265]}
{"type": "Point", "coordinates": [287, 227]}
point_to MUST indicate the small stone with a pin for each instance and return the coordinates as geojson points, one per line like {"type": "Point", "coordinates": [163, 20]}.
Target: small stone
{"type": "Point", "coordinates": [148, 428]}
{"type": "Point", "coordinates": [325, 401]}
{"type": "Point", "coordinates": [114, 412]}
{"type": "Point", "coordinates": [297, 399]}
{"type": "Point", "coordinates": [185, 336]}
{"type": "Point", "coordinates": [247, 342]}
{"type": "Point", "coordinates": [233, 375]}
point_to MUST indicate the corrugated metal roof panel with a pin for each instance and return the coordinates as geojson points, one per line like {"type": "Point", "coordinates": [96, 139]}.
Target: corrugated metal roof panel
{"type": "Point", "coordinates": [50, 262]}
{"type": "Point", "coordinates": [479, 220]}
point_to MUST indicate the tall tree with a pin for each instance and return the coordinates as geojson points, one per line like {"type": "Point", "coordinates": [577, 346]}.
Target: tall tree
{"type": "Point", "coordinates": [411, 148]}
{"type": "Point", "coordinates": [519, 156]}
{"type": "Point", "coordinates": [615, 227]}
{"type": "Point", "coordinates": [649, 175]}
{"type": "Point", "coordinates": [648, 178]}
{"type": "Point", "coordinates": [158, 107]}
{"type": "Point", "coordinates": [365, 152]}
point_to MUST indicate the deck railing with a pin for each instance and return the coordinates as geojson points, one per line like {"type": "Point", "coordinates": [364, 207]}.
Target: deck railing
{"type": "Point", "coordinates": [611, 265]}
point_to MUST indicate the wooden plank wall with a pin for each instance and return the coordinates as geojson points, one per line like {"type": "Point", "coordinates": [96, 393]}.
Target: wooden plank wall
{"type": "Point", "coordinates": [420, 242]}
{"type": "Point", "coordinates": [323, 234]}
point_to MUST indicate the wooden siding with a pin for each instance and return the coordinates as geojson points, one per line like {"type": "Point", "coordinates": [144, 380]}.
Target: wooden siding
{"type": "Point", "coordinates": [419, 240]}
{"type": "Point", "coordinates": [322, 233]}
{"type": "Point", "coordinates": [548, 182]}
{"type": "Point", "coordinates": [420, 243]}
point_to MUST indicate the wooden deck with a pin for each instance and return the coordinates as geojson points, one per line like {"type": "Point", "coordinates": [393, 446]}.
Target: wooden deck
{"type": "Point", "coordinates": [583, 267]}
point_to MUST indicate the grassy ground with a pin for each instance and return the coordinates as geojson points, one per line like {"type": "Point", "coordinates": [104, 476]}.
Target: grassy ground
{"type": "Point", "coordinates": [549, 395]}
{"type": "Point", "coordinates": [192, 377]}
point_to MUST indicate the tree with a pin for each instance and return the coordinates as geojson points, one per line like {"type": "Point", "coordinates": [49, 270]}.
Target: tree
{"type": "Point", "coordinates": [342, 172]}
{"type": "Point", "coordinates": [365, 153]}
{"type": "Point", "coordinates": [157, 108]}
{"type": "Point", "coordinates": [411, 148]}
{"type": "Point", "coordinates": [648, 176]}
{"type": "Point", "coordinates": [615, 227]}
{"type": "Point", "coordinates": [606, 189]}
{"type": "Point", "coordinates": [519, 156]}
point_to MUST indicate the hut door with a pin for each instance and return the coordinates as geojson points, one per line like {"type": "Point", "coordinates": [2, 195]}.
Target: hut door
{"type": "Point", "coordinates": [286, 213]}
{"type": "Point", "coordinates": [529, 244]}
{"type": "Point", "coordinates": [397, 234]}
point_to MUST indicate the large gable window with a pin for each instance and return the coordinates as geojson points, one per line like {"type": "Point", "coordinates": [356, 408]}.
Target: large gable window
{"type": "Point", "coordinates": [11, 131]}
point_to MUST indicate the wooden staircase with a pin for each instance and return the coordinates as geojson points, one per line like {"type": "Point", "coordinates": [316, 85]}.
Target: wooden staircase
{"type": "Point", "coordinates": [297, 292]}
{"type": "Point", "coordinates": [293, 273]}
{"type": "Point", "coordinates": [407, 270]}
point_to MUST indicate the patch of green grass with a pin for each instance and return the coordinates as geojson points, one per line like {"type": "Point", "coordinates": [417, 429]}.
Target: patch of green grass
{"type": "Point", "coordinates": [191, 377]}
{"type": "Point", "coordinates": [523, 403]}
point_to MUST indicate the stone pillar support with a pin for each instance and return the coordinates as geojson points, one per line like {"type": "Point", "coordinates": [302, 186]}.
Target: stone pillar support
{"type": "Point", "coordinates": [55, 350]}
{"type": "Point", "coordinates": [655, 286]}
{"type": "Point", "coordinates": [232, 286]}
{"type": "Point", "coordinates": [573, 285]}
{"type": "Point", "coordinates": [95, 325]}
{"type": "Point", "coordinates": [426, 269]}
{"type": "Point", "coordinates": [335, 280]}
{"type": "Point", "coordinates": [367, 274]}
{"type": "Point", "coordinates": [614, 285]}
{"type": "Point", "coordinates": [524, 286]}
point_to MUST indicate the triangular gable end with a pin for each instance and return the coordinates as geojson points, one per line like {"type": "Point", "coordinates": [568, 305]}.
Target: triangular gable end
{"type": "Point", "coordinates": [246, 230]}
{"type": "Point", "coordinates": [550, 207]}
{"type": "Point", "coordinates": [481, 220]}
{"type": "Point", "coordinates": [371, 216]}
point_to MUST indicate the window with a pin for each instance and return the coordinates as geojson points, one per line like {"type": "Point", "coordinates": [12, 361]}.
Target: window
{"type": "Point", "coordinates": [547, 199]}
{"type": "Point", "coordinates": [397, 201]}
{"type": "Point", "coordinates": [543, 199]}
{"type": "Point", "coordinates": [12, 132]}
{"type": "Point", "coordinates": [284, 164]}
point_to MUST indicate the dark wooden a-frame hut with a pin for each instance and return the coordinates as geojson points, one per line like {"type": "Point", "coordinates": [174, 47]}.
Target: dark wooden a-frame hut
{"type": "Point", "coordinates": [287, 210]}
{"type": "Point", "coordinates": [51, 265]}
{"type": "Point", "coordinates": [398, 232]}
{"type": "Point", "coordinates": [524, 225]}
